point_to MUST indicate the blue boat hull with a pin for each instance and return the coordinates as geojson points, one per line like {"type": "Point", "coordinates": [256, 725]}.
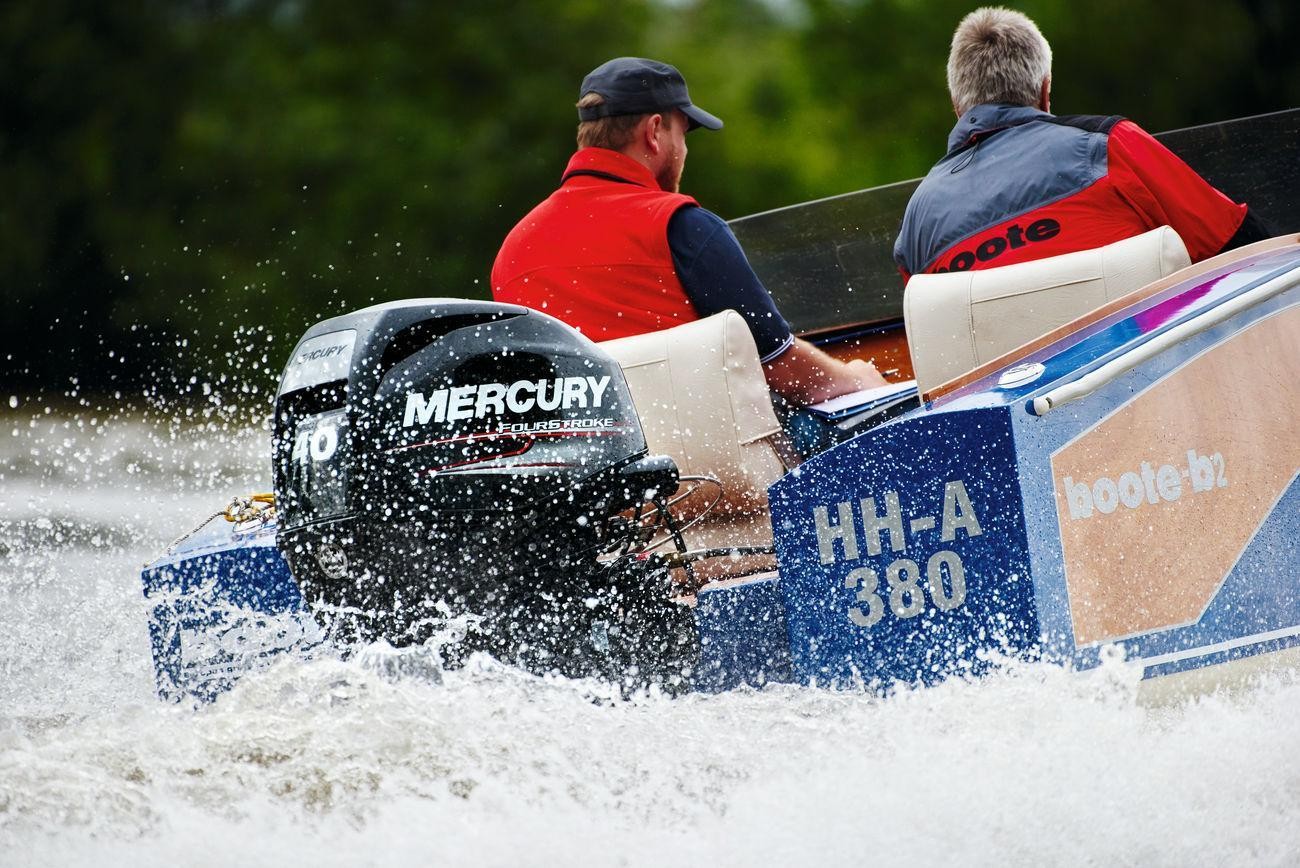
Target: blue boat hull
{"type": "Point", "coordinates": [1160, 512]}
{"type": "Point", "coordinates": [1018, 513]}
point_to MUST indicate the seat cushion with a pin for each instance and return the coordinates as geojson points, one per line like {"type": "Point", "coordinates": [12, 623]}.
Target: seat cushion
{"type": "Point", "coordinates": [700, 392]}
{"type": "Point", "coordinates": [958, 320]}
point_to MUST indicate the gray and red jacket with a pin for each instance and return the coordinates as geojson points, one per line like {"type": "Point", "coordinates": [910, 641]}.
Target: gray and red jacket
{"type": "Point", "coordinates": [1020, 184]}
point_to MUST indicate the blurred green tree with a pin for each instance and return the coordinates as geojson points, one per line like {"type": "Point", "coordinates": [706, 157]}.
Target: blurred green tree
{"type": "Point", "coordinates": [189, 184]}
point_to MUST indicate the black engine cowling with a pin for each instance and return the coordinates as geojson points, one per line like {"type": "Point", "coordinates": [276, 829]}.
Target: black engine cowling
{"type": "Point", "coordinates": [439, 457]}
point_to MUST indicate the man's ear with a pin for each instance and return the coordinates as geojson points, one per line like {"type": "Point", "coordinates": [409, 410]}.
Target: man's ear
{"type": "Point", "coordinates": [1045, 95]}
{"type": "Point", "coordinates": [650, 133]}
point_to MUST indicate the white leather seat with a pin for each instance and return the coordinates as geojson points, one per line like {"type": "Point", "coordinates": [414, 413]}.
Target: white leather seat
{"type": "Point", "coordinates": [700, 392]}
{"type": "Point", "coordinates": [961, 319]}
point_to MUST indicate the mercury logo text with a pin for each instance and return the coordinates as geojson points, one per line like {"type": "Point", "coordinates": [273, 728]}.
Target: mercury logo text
{"type": "Point", "coordinates": [1146, 486]}
{"type": "Point", "coordinates": [321, 353]}
{"type": "Point", "coordinates": [475, 402]}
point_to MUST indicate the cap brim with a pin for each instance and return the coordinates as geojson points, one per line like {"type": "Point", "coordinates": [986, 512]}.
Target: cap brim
{"type": "Point", "coordinates": [698, 117]}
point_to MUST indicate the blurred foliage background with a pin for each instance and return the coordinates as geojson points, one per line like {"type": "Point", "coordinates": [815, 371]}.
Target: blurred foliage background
{"type": "Point", "coordinates": [185, 186]}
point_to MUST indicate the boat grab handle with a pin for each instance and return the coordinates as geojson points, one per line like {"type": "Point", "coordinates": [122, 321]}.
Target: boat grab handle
{"type": "Point", "coordinates": [1094, 380]}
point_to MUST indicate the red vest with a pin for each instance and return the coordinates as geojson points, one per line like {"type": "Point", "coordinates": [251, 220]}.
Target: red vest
{"type": "Point", "coordinates": [595, 253]}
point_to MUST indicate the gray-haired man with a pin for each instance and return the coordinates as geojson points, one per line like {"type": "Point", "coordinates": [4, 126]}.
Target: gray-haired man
{"type": "Point", "coordinates": [1019, 183]}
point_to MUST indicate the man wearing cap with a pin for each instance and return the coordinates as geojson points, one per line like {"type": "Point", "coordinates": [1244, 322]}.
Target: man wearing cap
{"type": "Point", "coordinates": [618, 251]}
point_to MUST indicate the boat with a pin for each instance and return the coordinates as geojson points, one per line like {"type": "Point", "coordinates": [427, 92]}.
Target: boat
{"type": "Point", "coordinates": [1074, 455]}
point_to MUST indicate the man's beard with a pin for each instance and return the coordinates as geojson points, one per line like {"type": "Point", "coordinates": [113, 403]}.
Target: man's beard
{"type": "Point", "coordinates": [670, 176]}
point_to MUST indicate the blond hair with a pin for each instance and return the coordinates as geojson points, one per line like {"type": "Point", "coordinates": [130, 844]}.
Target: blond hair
{"type": "Point", "coordinates": [614, 133]}
{"type": "Point", "coordinates": [998, 55]}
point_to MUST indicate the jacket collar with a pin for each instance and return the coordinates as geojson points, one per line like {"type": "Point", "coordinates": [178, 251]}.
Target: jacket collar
{"type": "Point", "coordinates": [603, 162]}
{"type": "Point", "coordinates": [988, 118]}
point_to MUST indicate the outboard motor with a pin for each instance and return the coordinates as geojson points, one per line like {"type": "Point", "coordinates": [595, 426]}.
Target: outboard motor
{"type": "Point", "coordinates": [439, 459]}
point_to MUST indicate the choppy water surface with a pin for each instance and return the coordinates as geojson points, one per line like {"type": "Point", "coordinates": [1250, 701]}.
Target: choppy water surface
{"type": "Point", "coordinates": [326, 763]}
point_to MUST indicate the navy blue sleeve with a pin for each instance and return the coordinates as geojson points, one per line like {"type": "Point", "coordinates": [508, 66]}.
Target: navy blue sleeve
{"type": "Point", "coordinates": [716, 276]}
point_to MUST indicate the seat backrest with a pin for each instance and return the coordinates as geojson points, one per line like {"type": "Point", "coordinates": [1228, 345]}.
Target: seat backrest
{"type": "Point", "coordinates": [958, 320]}
{"type": "Point", "coordinates": [702, 397]}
